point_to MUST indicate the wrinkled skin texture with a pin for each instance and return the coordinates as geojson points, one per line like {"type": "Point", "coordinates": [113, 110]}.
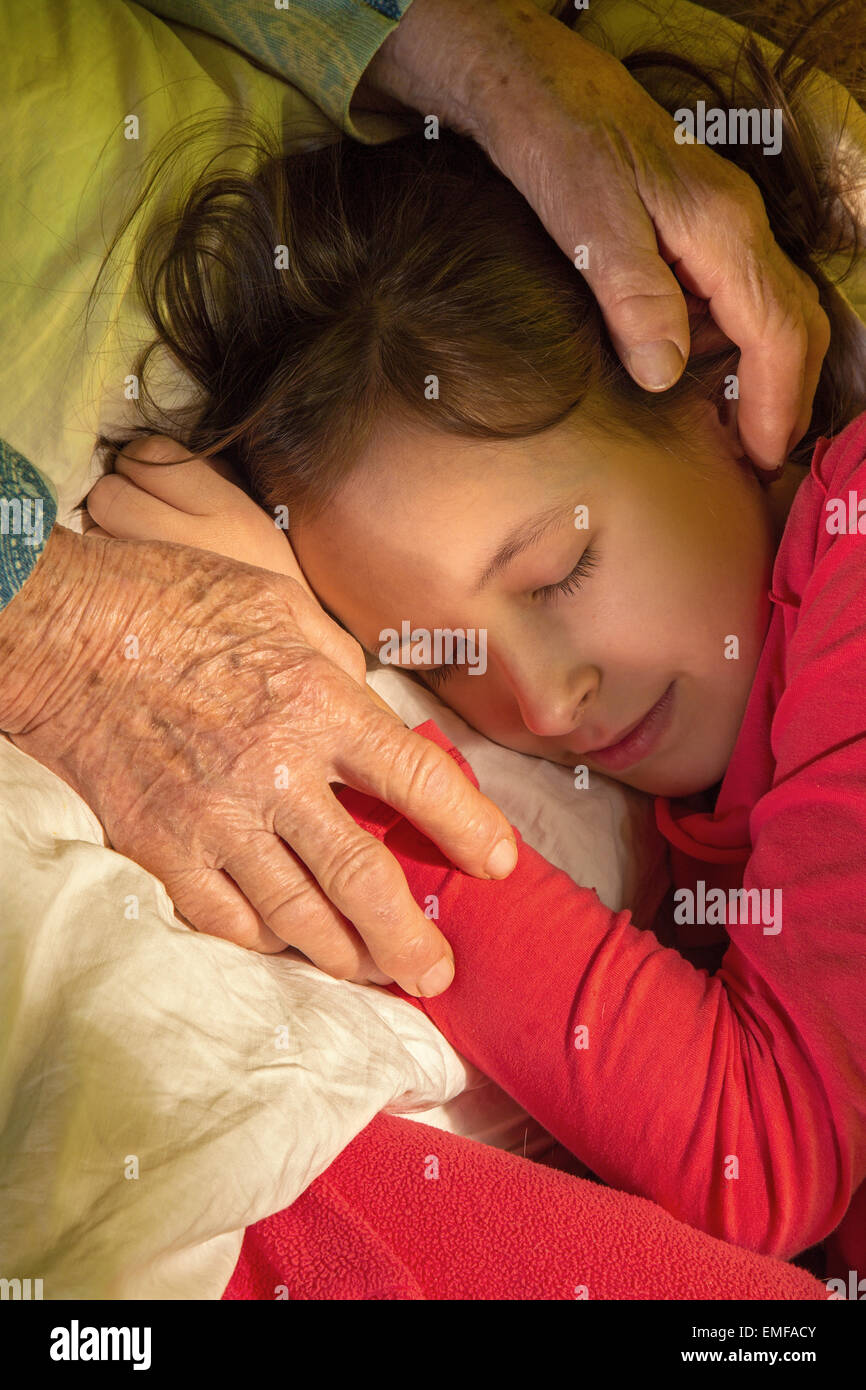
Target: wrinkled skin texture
{"type": "Point", "coordinates": [596, 158]}
{"type": "Point", "coordinates": [240, 682]}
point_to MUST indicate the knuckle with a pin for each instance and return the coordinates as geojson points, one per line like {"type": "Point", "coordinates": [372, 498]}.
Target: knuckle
{"type": "Point", "coordinates": [94, 500]}
{"type": "Point", "coordinates": [411, 955]}
{"type": "Point", "coordinates": [794, 324]}
{"type": "Point", "coordinates": [325, 944]}
{"type": "Point", "coordinates": [638, 293]}
{"type": "Point", "coordinates": [249, 935]}
{"type": "Point", "coordinates": [302, 919]}
{"type": "Point", "coordinates": [103, 498]}
{"type": "Point", "coordinates": [319, 671]}
{"type": "Point", "coordinates": [154, 448]}
{"type": "Point", "coordinates": [288, 903]}
{"type": "Point", "coordinates": [750, 206]}
{"type": "Point", "coordinates": [739, 210]}
{"type": "Point", "coordinates": [633, 274]}
{"type": "Point", "coordinates": [364, 872]}
{"type": "Point", "coordinates": [355, 661]}
{"type": "Point", "coordinates": [310, 689]}
{"type": "Point", "coordinates": [357, 669]}
{"type": "Point", "coordinates": [738, 199]}
{"type": "Point", "coordinates": [340, 965]}
{"type": "Point", "coordinates": [810, 291]}
{"type": "Point", "coordinates": [431, 775]}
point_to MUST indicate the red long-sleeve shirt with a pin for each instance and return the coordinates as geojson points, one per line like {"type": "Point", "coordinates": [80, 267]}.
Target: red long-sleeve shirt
{"type": "Point", "coordinates": [735, 1100]}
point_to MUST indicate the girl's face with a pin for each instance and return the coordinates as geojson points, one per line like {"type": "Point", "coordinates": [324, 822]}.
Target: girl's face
{"type": "Point", "coordinates": [619, 586]}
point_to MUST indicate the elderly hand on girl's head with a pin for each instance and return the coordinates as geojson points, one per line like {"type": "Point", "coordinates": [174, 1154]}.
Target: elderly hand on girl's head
{"type": "Point", "coordinates": [597, 159]}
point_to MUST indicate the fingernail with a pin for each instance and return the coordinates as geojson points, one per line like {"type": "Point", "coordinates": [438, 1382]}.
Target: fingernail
{"type": "Point", "coordinates": [771, 474]}
{"type": "Point", "coordinates": [502, 860]}
{"type": "Point", "coordinates": [656, 366]}
{"type": "Point", "coordinates": [436, 979]}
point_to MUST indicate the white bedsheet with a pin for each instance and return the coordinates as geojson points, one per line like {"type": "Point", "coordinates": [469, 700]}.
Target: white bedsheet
{"type": "Point", "coordinates": [160, 1090]}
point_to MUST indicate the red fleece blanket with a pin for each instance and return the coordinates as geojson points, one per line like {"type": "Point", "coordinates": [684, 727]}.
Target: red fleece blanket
{"type": "Point", "coordinates": [411, 1212]}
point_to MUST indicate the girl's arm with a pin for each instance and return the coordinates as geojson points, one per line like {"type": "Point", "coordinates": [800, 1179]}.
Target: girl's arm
{"type": "Point", "coordinates": [734, 1101]}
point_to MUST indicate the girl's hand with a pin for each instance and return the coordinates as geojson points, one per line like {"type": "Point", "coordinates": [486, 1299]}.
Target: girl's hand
{"type": "Point", "coordinates": [159, 492]}
{"type": "Point", "coordinates": [197, 502]}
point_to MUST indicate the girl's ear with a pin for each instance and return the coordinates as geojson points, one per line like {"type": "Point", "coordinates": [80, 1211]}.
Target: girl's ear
{"type": "Point", "coordinates": [707, 337]}
{"type": "Point", "coordinates": [717, 419]}
{"type": "Point", "coordinates": [726, 411]}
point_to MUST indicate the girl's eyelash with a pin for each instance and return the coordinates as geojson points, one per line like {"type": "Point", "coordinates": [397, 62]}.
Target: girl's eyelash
{"type": "Point", "coordinates": [569, 585]}
{"type": "Point", "coordinates": [437, 675]}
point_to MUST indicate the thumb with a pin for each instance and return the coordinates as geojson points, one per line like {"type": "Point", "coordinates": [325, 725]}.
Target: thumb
{"type": "Point", "coordinates": [639, 296]}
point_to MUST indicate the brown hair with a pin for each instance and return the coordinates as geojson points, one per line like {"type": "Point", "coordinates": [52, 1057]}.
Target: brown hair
{"type": "Point", "coordinates": [416, 259]}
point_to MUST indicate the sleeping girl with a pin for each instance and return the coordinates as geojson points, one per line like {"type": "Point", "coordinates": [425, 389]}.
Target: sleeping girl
{"type": "Point", "coordinates": [426, 391]}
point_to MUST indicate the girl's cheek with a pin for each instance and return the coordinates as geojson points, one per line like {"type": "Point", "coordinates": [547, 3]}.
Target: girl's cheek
{"type": "Point", "coordinates": [483, 701]}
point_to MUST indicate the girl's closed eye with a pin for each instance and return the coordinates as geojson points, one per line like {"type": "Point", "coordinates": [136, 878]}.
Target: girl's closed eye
{"type": "Point", "coordinates": [572, 582]}
{"type": "Point", "coordinates": [437, 675]}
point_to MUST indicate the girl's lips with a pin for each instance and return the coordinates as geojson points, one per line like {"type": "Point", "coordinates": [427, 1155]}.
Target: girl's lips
{"type": "Point", "coordinates": [642, 739]}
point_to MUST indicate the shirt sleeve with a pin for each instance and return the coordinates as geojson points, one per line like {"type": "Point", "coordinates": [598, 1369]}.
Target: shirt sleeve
{"type": "Point", "coordinates": [28, 511]}
{"type": "Point", "coordinates": [321, 46]}
{"type": "Point", "coordinates": [736, 1101]}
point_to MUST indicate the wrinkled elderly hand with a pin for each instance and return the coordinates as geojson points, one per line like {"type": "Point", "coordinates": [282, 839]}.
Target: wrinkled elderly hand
{"type": "Point", "coordinates": [203, 708]}
{"type": "Point", "coordinates": [596, 158]}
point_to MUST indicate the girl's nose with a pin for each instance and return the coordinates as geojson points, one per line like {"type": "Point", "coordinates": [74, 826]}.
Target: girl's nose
{"type": "Point", "coordinates": [554, 703]}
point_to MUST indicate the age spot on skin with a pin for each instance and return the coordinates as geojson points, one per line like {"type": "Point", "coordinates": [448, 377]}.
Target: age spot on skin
{"type": "Point", "coordinates": [161, 725]}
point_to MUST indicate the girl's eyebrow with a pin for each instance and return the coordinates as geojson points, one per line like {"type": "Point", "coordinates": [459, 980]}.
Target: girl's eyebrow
{"type": "Point", "coordinates": [524, 535]}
